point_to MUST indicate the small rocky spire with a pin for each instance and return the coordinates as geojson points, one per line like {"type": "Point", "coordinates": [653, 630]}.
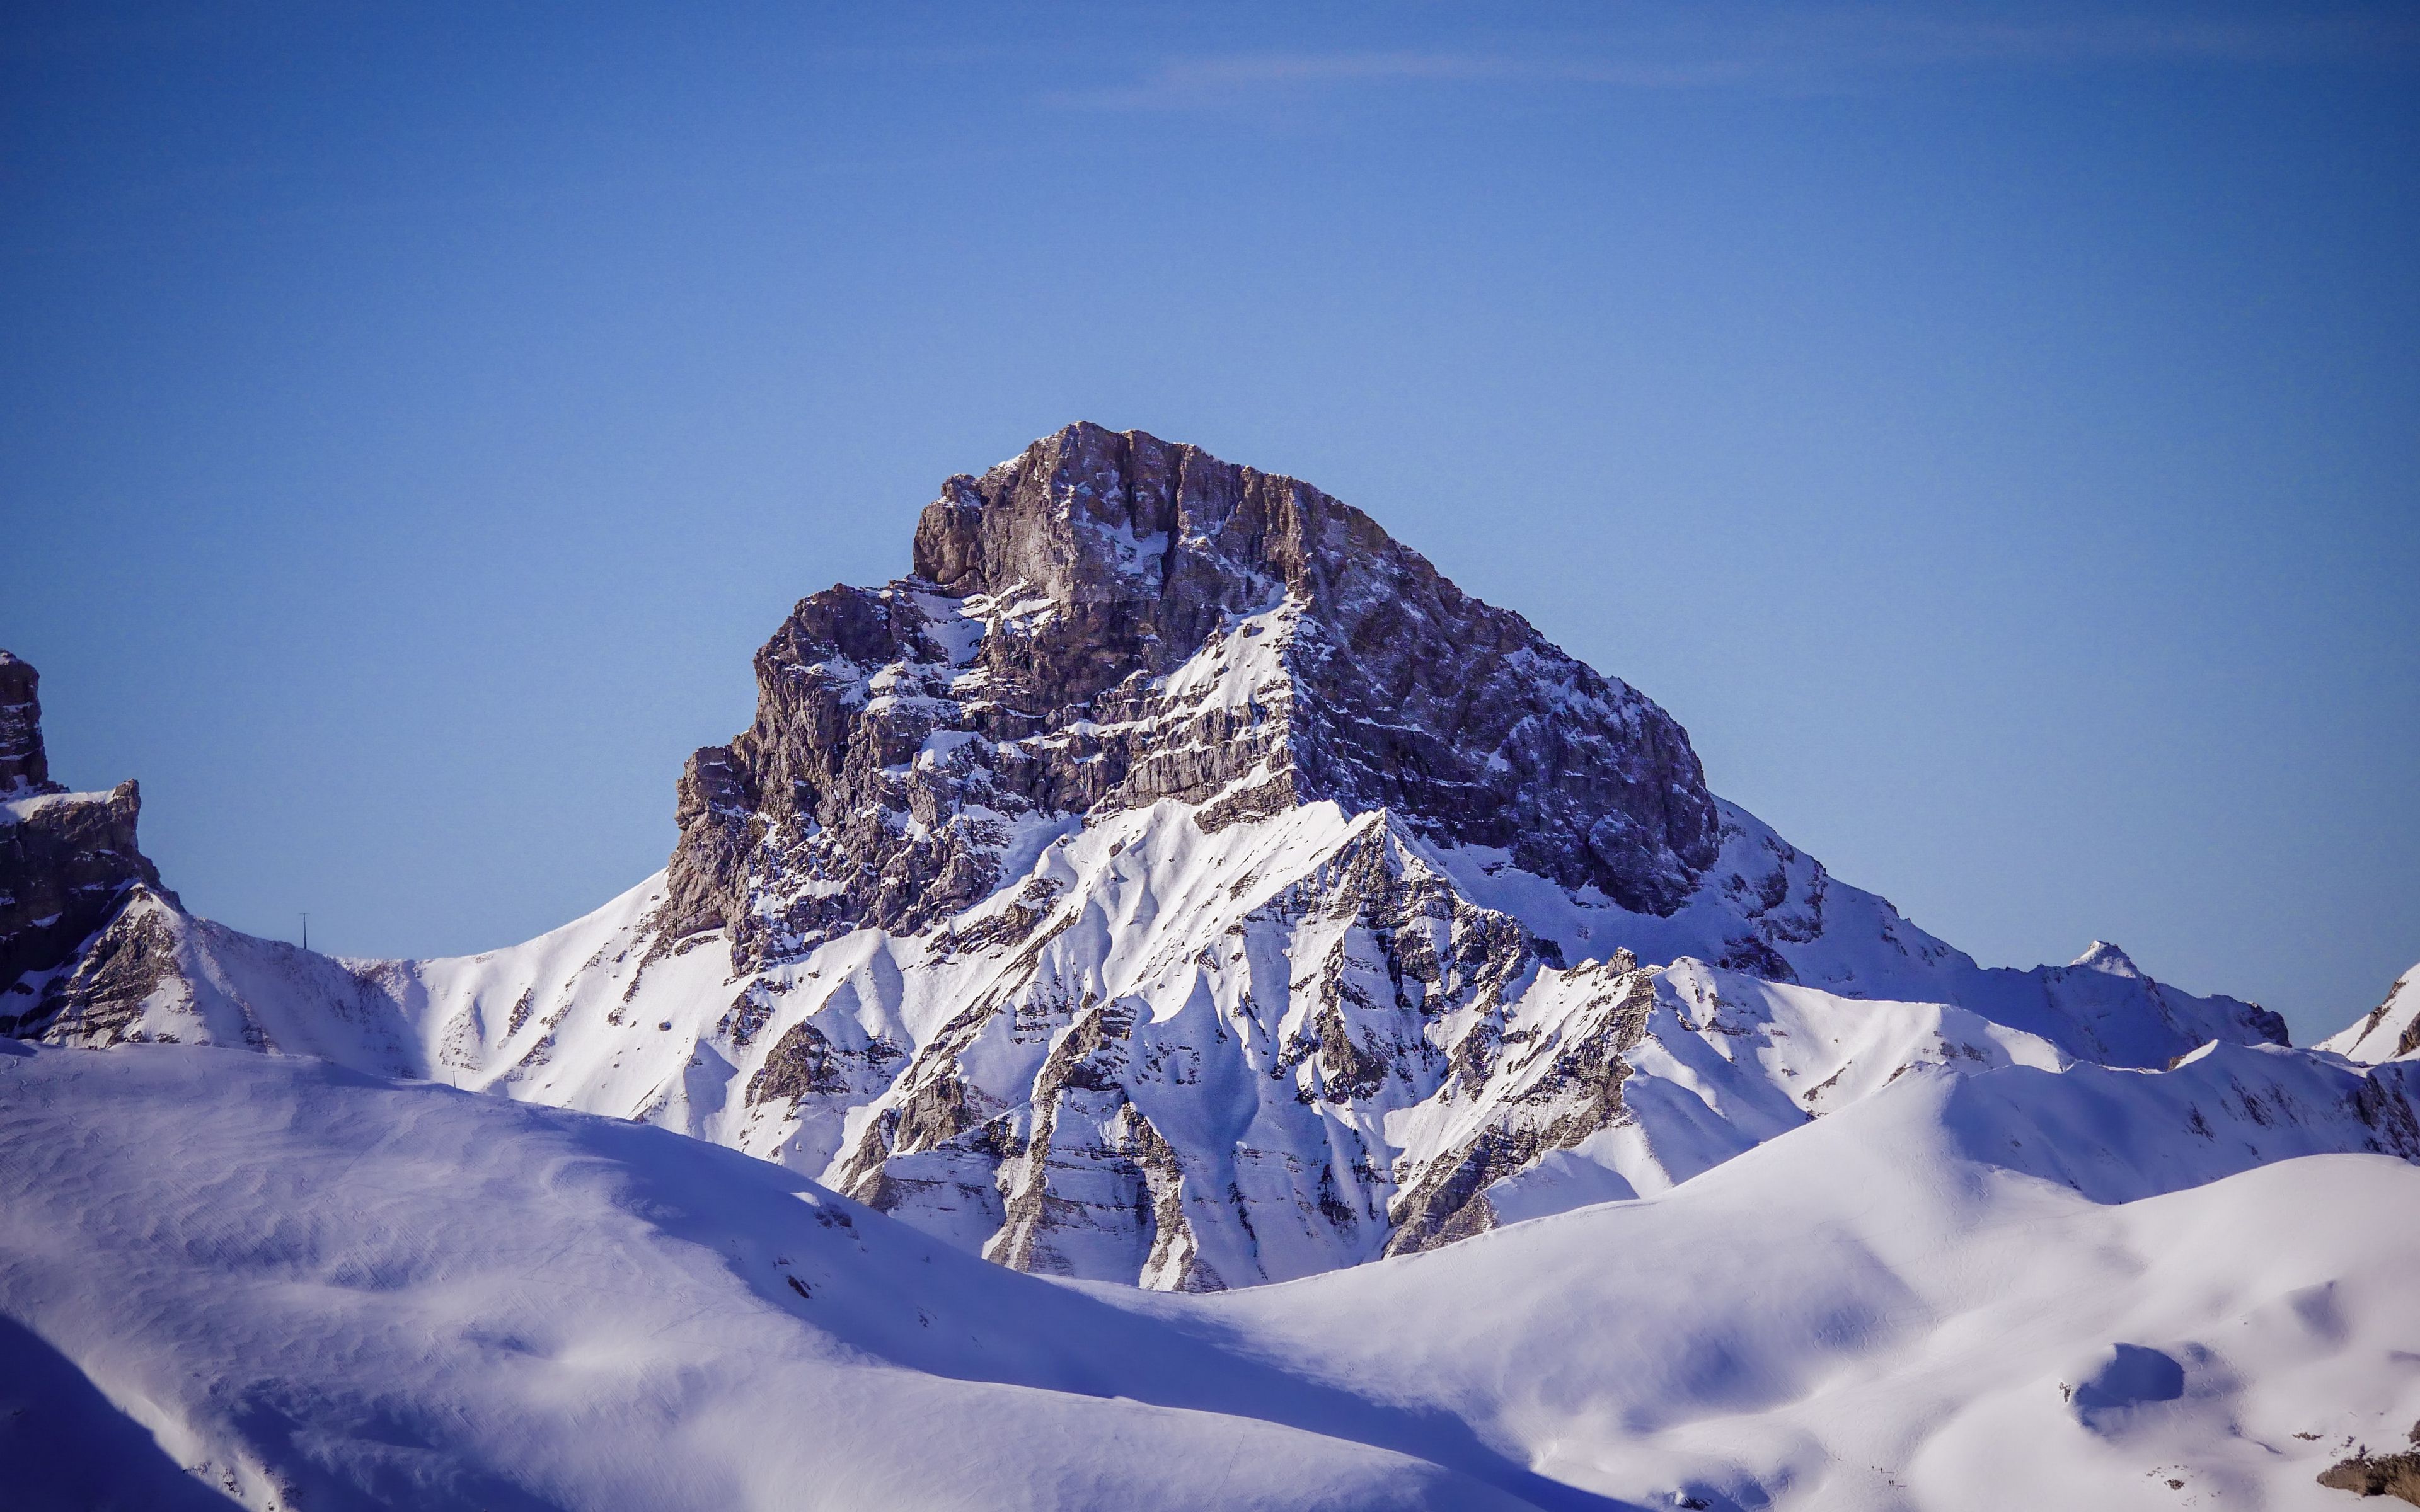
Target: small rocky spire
{"type": "Point", "coordinates": [22, 763]}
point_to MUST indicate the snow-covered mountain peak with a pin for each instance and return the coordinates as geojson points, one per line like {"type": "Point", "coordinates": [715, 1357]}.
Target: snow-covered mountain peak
{"type": "Point", "coordinates": [2390, 1031]}
{"type": "Point", "coordinates": [2103, 956]}
{"type": "Point", "coordinates": [1175, 880]}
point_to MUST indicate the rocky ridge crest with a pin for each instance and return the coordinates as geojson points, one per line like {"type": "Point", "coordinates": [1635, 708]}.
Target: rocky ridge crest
{"type": "Point", "coordinates": [2390, 1031]}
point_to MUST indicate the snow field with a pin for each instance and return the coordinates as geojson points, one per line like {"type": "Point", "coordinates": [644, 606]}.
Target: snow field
{"type": "Point", "coordinates": [335, 1290]}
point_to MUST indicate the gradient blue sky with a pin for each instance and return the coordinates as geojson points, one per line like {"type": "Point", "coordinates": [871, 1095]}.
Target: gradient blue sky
{"type": "Point", "coordinates": [1993, 432]}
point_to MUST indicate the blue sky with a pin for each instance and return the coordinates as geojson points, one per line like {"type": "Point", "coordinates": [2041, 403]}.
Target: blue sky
{"type": "Point", "coordinates": [1993, 432]}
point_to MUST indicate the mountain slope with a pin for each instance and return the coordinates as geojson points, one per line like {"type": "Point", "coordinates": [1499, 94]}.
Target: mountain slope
{"type": "Point", "coordinates": [321, 1290]}
{"type": "Point", "coordinates": [315, 1288]}
{"type": "Point", "coordinates": [2390, 1031]}
{"type": "Point", "coordinates": [67, 861]}
{"type": "Point", "coordinates": [1891, 1310]}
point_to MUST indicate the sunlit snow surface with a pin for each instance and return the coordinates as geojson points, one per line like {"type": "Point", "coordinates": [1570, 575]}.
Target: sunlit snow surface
{"type": "Point", "coordinates": [315, 1288]}
{"type": "Point", "coordinates": [2390, 1031]}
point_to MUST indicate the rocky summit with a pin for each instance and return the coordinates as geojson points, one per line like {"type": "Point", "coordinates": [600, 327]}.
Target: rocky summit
{"type": "Point", "coordinates": [1111, 619]}
{"type": "Point", "coordinates": [1173, 879]}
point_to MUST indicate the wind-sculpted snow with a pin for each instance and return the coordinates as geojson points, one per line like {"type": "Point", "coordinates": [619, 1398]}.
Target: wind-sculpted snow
{"type": "Point", "coordinates": [1892, 1310]}
{"type": "Point", "coordinates": [304, 1288]}
{"type": "Point", "coordinates": [317, 1290]}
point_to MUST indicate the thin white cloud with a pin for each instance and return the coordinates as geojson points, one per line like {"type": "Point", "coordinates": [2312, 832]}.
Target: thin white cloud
{"type": "Point", "coordinates": [1798, 49]}
{"type": "Point", "coordinates": [1210, 82]}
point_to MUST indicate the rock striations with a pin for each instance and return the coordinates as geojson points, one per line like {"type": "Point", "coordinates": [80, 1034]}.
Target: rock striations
{"type": "Point", "coordinates": [1175, 880]}
{"type": "Point", "coordinates": [1110, 620]}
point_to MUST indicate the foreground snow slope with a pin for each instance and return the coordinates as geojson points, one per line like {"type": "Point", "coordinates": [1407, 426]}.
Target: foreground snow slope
{"type": "Point", "coordinates": [337, 1292]}
{"type": "Point", "coordinates": [1887, 1311]}
{"type": "Point", "coordinates": [321, 1290]}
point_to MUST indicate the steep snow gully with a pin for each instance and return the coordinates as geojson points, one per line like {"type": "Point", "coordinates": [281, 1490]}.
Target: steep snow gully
{"type": "Point", "coordinates": [1404, 1082]}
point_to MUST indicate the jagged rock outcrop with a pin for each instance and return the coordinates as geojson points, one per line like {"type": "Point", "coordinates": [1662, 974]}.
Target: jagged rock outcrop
{"type": "Point", "coordinates": [1558, 1090]}
{"type": "Point", "coordinates": [1109, 620]}
{"type": "Point", "coordinates": [2380, 1474]}
{"type": "Point", "coordinates": [69, 862]}
{"type": "Point", "coordinates": [23, 765]}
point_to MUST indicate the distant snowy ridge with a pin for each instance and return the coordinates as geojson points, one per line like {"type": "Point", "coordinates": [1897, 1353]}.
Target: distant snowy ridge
{"type": "Point", "coordinates": [2390, 1031]}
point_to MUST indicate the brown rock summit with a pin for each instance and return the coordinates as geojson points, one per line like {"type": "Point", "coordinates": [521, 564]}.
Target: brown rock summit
{"type": "Point", "coordinates": [1109, 620]}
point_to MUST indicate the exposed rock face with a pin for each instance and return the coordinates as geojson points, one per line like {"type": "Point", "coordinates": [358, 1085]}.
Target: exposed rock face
{"type": "Point", "coordinates": [99, 997]}
{"type": "Point", "coordinates": [67, 861]}
{"type": "Point", "coordinates": [22, 763]}
{"type": "Point", "coordinates": [1114, 896]}
{"type": "Point", "coordinates": [1062, 1128]}
{"type": "Point", "coordinates": [2385, 1475]}
{"type": "Point", "coordinates": [1109, 620]}
{"type": "Point", "coordinates": [1558, 1090]}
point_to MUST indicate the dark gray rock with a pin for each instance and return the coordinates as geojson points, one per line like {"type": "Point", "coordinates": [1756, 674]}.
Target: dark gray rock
{"type": "Point", "coordinates": [69, 862]}
{"type": "Point", "coordinates": [1024, 671]}
{"type": "Point", "coordinates": [23, 764]}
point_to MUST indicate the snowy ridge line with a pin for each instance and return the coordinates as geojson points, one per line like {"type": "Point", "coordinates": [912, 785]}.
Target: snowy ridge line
{"type": "Point", "coordinates": [2390, 1031]}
